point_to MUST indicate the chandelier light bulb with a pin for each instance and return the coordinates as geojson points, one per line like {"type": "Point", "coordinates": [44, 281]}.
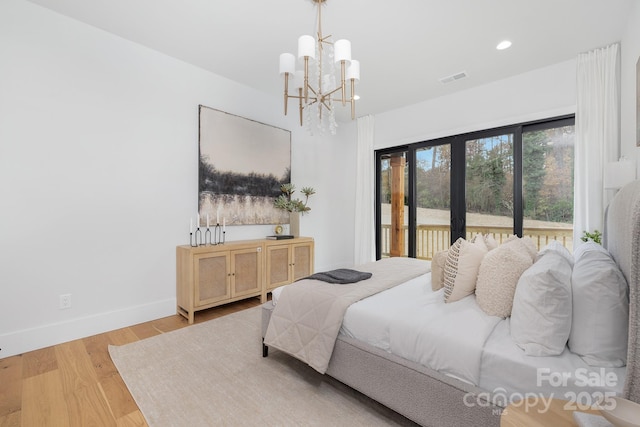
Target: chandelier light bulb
{"type": "Point", "coordinates": [287, 63]}
{"type": "Point", "coordinates": [353, 72]}
{"type": "Point", "coordinates": [342, 50]}
{"type": "Point", "coordinates": [306, 47]}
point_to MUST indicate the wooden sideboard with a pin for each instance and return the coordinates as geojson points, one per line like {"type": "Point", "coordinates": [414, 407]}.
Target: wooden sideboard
{"type": "Point", "coordinates": [212, 275]}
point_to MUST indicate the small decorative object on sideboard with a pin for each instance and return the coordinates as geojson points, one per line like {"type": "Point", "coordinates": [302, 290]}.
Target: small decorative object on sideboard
{"type": "Point", "coordinates": [280, 237]}
{"type": "Point", "coordinates": [215, 237]}
{"type": "Point", "coordinates": [295, 207]}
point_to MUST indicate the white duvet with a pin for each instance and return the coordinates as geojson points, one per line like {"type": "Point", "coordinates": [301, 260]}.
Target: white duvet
{"type": "Point", "coordinates": [459, 340]}
{"type": "Point", "coordinates": [408, 319]}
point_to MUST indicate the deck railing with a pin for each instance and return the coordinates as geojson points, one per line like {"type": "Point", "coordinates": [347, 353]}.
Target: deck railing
{"type": "Point", "coordinates": [433, 238]}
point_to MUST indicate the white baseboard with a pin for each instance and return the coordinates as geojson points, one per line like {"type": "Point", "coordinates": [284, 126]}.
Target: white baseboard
{"type": "Point", "coordinates": [26, 340]}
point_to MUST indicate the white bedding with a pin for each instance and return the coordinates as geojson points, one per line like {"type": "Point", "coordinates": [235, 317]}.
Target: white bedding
{"type": "Point", "coordinates": [410, 318]}
{"type": "Point", "coordinates": [505, 366]}
{"type": "Point", "coordinates": [458, 339]}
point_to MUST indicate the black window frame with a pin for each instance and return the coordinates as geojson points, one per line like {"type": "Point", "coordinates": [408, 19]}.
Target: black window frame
{"type": "Point", "coordinates": [458, 176]}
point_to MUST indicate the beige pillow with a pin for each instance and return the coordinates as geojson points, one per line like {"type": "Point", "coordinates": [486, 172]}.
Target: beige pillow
{"type": "Point", "coordinates": [461, 269]}
{"type": "Point", "coordinates": [498, 276]}
{"type": "Point", "coordinates": [523, 245]}
{"type": "Point", "coordinates": [437, 270]}
{"type": "Point", "coordinates": [490, 241]}
{"type": "Point", "coordinates": [478, 239]}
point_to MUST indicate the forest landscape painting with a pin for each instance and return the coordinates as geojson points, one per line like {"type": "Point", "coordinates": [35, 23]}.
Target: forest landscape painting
{"type": "Point", "coordinates": [242, 165]}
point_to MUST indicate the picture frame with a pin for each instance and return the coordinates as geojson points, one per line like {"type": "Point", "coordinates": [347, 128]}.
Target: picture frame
{"type": "Point", "coordinates": [242, 164]}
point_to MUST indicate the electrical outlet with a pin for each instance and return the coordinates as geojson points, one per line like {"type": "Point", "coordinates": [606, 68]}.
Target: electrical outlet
{"type": "Point", "coordinates": [65, 301]}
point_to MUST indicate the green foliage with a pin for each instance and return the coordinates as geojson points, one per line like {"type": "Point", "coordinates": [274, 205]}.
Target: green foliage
{"type": "Point", "coordinates": [214, 181]}
{"type": "Point", "coordinates": [596, 236]}
{"type": "Point", "coordinates": [534, 150]}
{"type": "Point", "coordinates": [286, 201]}
{"type": "Point", "coordinates": [489, 169]}
{"type": "Point", "coordinates": [547, 175]}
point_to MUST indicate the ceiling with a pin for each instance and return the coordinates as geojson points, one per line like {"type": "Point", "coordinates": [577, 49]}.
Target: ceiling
{"type": "Point", "coordinates": [404, 46]}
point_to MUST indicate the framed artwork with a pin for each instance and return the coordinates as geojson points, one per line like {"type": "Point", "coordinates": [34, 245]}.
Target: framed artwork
{"type": "Point", "coordinates": [242, 165]}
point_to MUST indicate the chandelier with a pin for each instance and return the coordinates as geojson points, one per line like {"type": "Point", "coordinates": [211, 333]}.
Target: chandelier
{"type": "Point", "coordinates": [316, 89]}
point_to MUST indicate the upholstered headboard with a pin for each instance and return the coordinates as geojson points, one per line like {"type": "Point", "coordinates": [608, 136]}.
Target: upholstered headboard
{"type": "Point", "coordinates": [622, 239]}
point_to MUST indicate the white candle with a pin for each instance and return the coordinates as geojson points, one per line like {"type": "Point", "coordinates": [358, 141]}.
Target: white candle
{"type": "Point", "coordinates": [198, 223]}
{"type": "Point", "coordinates": [224, 224]}
{"type": "Point", "coordinates": [207, 220]}
{"type": "Point", "coordinates": [218, 216]}
{"type": "Point", "coordinates": [190, 225]}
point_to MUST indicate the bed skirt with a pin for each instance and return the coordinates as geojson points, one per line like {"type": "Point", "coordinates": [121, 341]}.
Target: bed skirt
{"type": "Point", "coordinates": [421, 394]}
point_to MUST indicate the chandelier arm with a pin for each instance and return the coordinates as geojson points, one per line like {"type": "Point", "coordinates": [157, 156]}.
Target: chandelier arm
{"type": "Point", "coordinates": [312, 99]}
{"type": "Point", "coordinates": [300, 98]}
{"type": "Point", "coordinates": [342, 86]}
{"type": "Point", "coordinates": [306, 79]}
{"type": "Point", "coordinates": [311, 103]}
{"type": "Point", "coordinates": [353, 99]}
{"type": "Point", "coordinates": [327, 106]}
{"type": "Point", "coordinates": [312, 90]}
{"type": "Point", "coordinates": [286, 92]}
{"type": "Point", "coordinates": [334, 91]}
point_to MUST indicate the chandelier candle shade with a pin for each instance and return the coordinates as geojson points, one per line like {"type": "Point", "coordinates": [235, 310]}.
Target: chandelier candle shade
{"type": "Point", "coordinates": [315, 103]}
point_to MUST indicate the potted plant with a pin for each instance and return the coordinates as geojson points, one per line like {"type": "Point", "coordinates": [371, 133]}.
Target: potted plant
{"type": "Point", "coordinates": [596, 236]}
{"type": "Point", "coordinates": [295, 207]}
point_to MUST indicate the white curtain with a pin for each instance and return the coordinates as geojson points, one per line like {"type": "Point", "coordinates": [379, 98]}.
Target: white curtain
{"type": "Point", "coordinates": [597, 138]}
{"type": "Point", "coordinates": [365, 188]}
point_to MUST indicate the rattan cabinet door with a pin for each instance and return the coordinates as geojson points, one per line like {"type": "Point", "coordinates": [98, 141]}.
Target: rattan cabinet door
{"type": "Point", "coordinates": [246, 271]}
{"type": "Point", "coordinates": [212, 278]}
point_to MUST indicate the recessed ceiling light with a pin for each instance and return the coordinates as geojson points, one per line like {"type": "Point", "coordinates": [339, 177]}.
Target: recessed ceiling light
{"type": "Point", "coordinates": [505, 44]}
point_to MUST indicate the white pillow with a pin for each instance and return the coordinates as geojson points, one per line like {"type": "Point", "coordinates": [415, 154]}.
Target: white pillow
{"type": "Point", "coordinates": [498, 276]}
{"type": "Point", "coordinates": [541, 315]}
{"type": "Point", "coordinates": [555, 246]}
{"type": "Point", "coordinates": [461, 269]}
{"type": "Point", "coordinates": [600, 327]}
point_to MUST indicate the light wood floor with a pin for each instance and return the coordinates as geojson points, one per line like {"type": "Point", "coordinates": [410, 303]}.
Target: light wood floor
{"type": "Point", "coordinates": [76, 384]}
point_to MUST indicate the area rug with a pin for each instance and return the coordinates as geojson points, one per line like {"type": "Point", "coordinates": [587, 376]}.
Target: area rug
{"type": "Point", "coordinates": [213, 374]}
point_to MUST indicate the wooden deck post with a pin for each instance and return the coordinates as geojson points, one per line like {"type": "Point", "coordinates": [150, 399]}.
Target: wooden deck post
{"type": "Point", "coordinates": [397, 205]}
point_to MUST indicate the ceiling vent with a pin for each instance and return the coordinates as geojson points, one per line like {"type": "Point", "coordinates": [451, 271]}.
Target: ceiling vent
{"type": "Point", "coordinates": [454, 77]}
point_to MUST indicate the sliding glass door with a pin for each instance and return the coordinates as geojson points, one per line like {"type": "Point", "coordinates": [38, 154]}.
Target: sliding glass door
{"type": "Point", "coordinates": [489, 174]}
{"type": "Point", "coordinates": [393, 210]}
{"type": "Point", "coordinates": [512, 180]}
{"type": "Point", "coordinates": [547, 183]}
{"type": "Point", "coordinates": [433, 199]}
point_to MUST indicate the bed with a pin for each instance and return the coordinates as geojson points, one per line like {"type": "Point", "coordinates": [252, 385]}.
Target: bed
{"type": "Point", "coordinates": [470, 375]}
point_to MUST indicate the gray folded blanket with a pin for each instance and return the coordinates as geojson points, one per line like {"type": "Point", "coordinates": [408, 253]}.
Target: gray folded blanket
{"type": "Point", "coordinates": [340, 276]}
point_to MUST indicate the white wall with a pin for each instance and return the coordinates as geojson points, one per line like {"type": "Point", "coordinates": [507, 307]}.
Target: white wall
{"type": "Point", "coordinates": [541, 93]}
{"type": "Point", "coordinates": [538, 94]}
{"type": "Point", "coordinates": [630, 52]}
{"type": "Point", "coordinates": [98, 166]}
{"type": "Point", "coordinates": [98, 176]}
